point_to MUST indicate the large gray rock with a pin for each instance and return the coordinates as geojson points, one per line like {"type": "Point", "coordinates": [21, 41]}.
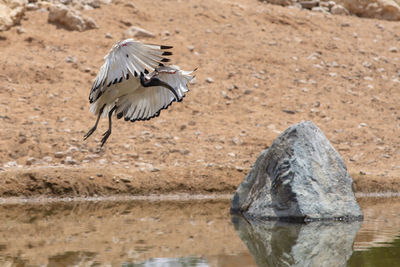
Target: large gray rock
{"type": "Point", "coordinates": [301, 177]}
{"type": "Point", "coordinates": [293, 244]}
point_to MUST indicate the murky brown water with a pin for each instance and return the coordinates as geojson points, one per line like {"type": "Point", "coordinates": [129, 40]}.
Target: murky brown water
{"type": "Point", "coordinates": [175, 233]}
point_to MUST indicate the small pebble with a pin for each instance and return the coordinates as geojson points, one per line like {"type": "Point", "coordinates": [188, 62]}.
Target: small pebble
{"type": "Point", "coordinates": [12, 164]}
{"type": "Point", "coordinates": [20, 30]}
{"type": "Point", "coordinates": [59, 154]}
{"type": "Point", "coordinates": [47, 159]}
{"type": "Point", "coordinates": [210, 80]}
{"type": "Point", "coordinates": [102, 161]}
{"type": "Point", "coordinates": [70, 161]}
{"type": "Point", "coordinates": [71, 59]}
{"type": "Point", "coordinates": [30, 161]}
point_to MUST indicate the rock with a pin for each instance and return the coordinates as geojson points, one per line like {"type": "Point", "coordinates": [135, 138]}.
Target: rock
{"type": "Point", "coordinates": [280, 2]}
{"type": "Point", "coordinates": [320, 9]}
{"type": "Point", "coordinates": [138, 32]}
{"type": "Point", "coordinates": [70, 18]}
{"type": "Point", "coordinates": [71, 59]}
{"type": "Point", "coordinates": [102, 161]}
{"type": "Point", "coordinates": [70, 161]}
{"type": "Point", "coordinates": [288, 244]}
{"type": "Point", "coordinates": [47, 159]}
{"type": "Point", "coordinates": [309, 4]}
{"type": "Point", "coordinates": [209, 80]}
{"type": "Point", "coordinates": [300, 177]}
{"type": "Point", "coordinates": [20, 30]}
{"type": "Point", "coordinates": [380, 9]}
{"type": "Point", "coordinates": [44, 6]}
{"type": "Point", "coordinates": [126, 22]}
{"type": "Point", "coordinates": [30, 161]}
{"type": "Point", "coordinates": [93, 3]}
{"type": "Point", "coordinates": [108, 35]}
{"type": "Point", "coordinates": [32, 6]}
{"type": "Point", "coordinates": [190, 47]}
{"type": "Point", "coordinates": [11, 12]}
{"type": "Point", "coordinates": [59, 154]}
{"type": "Point", "coordinates": [339, 10]}
{"type": "Point", "coordinates": [12, 164]}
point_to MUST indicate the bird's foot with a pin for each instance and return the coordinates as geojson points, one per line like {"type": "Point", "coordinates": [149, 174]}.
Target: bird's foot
{"type": "Point", "coordinates": [89, 133]}
{"type": "Point", "coordinates": [105, 137]}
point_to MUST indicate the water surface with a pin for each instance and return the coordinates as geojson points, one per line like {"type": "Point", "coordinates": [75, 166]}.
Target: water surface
{"type": "Point", "coordinates": [190, 233]}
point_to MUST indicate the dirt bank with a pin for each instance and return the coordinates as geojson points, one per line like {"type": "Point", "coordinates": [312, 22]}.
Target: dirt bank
{"type": "Point", "coordinates": [269, 66]}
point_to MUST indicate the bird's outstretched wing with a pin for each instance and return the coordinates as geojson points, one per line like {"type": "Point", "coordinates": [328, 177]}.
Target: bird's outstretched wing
{"type": "Point", "coordinates": [147, 102]}
{"type": "Point", "coordinates": [127, 58]}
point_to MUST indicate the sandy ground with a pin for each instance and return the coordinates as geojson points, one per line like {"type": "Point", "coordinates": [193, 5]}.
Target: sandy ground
{"type": "Point", "coordinates": [269, 66]}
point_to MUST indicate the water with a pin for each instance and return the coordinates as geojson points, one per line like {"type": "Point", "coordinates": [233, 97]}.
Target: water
{"type": "Point", "coordinates": [190, 233]}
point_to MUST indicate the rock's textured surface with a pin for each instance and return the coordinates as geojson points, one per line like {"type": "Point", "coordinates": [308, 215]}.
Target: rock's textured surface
{"type": "Point", "coordinates": [380, 9]}
{"type": "Point", "coordinates": [11, 12]}
{"type": "Point", "coordinates": [70, 18]}
{"type": "Point", "coordinates": [339, 10]}
{"type": "Point", "coordinates": [300, 177]}
{"type": "Point", "coordinates": [138, 32]}
{"type": "Point", "coordinates": [288, 244]}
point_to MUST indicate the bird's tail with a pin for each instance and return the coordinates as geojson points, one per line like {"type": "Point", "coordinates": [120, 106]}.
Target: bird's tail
{"type": "Point", "coordinates": [175, 77]}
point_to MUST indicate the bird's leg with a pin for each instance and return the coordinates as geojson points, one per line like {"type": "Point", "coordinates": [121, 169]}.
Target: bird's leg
{"type": "Point", "coordinates": [108, 132]}
{"type": "Point", "coordinates": [95, 126]}
{"type": "Point", "coordinates": [157, 82]}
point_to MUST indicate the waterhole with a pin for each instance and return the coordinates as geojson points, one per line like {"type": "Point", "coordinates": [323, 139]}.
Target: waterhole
{"type": "Point", "coordinates": [188, 232]}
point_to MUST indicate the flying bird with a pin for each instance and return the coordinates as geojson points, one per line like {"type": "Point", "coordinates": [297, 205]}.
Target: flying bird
{"type": "Point", "coordinates": [135, 84]}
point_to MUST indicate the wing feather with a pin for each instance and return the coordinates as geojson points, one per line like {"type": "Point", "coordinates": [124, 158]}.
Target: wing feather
{"type": "Point", "coordinates": [126, 57]}
{"type": "Point", "coordinates": [147, 102]}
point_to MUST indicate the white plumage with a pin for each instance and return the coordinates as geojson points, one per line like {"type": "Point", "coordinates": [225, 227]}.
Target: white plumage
{"type": "Point", "coordinates": [134, 83]}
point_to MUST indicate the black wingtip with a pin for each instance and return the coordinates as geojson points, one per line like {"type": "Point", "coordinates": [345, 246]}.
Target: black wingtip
{"type": "Point", "coordinates": [166, 47]}
{"type": "Point", "coordinates": [146, 71]}
{"type": "Point", "coordinates": [167, 53]}
{"type": "Point", "coordinates": [165, 60]}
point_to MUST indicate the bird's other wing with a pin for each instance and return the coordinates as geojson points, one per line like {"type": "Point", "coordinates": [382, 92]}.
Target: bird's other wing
{"type": "Point", "coordinates": [147, 102]}
{"type": "Point", "coordinates": [126, 59]}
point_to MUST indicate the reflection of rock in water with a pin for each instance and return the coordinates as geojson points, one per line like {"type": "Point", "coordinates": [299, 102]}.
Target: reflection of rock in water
{"type": "Point", "coordinates": [171, 262]}
{"type": "Point", "coordinates": [274, 243]}
{"type": "Point", "coordinates": [72, 258]}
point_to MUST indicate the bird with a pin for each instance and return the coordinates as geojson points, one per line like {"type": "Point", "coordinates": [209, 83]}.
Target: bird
{"type": "Point", "coordinates": [134, 83]}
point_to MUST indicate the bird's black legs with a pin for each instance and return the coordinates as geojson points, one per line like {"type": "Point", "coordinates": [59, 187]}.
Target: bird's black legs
{"type": "Point", "coordinates": [108, 132]}
{"type": "Point", "coordinates": [157, 82]}
{"type": "Point", "coordinates": [95, 126]}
